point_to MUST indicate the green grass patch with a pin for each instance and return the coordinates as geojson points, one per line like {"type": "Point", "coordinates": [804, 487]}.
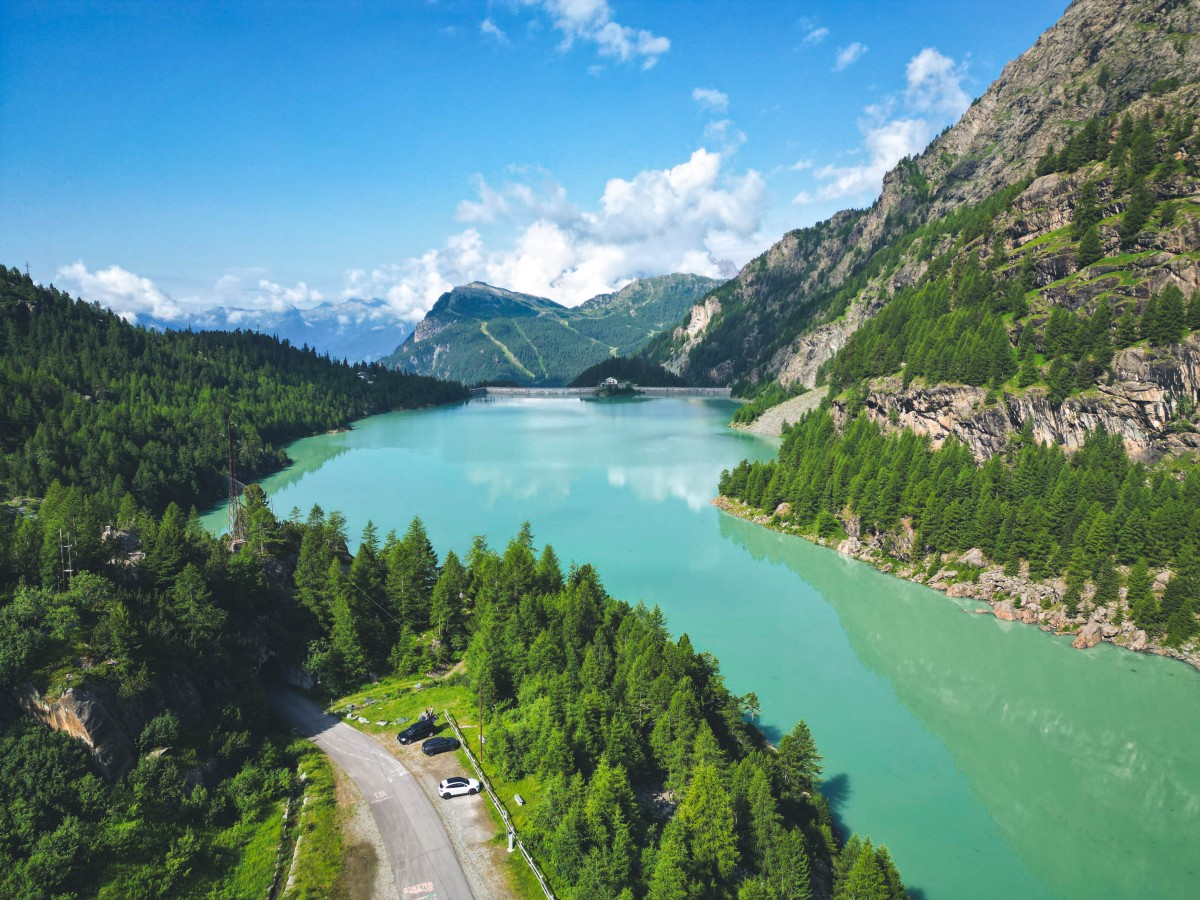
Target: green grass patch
{"type": "Point", "coordinates": [318, 863]}
{"type": "Point", "coordinates": [399, 702]}
{"type": "Point", "coordinates": [255, 846]}
{"type": "Point", "coordinates": [521, 879]}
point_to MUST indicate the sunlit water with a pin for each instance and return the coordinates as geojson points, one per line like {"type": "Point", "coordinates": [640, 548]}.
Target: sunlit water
{"type": "Point", "coordinates": [994, 760]}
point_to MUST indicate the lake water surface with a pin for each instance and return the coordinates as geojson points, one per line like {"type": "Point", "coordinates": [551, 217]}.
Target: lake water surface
{"type": "Point", "coordinates": [992, 759]}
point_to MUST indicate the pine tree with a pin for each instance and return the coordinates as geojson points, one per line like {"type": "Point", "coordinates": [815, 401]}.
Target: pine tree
{"type": "Point", "coordinates": [1107, 583]}
{"type": "Point", "coordinates": [1140, 598]}
{"type": "Point", "coordinates": [1085, 215]}
{"type": "Point", "coordinates": [1090, 248]}
{"type": "Point", "coordinates": [412, 574]}
{"type": "Point", "coordinates": [1076, 577]}
{"type": "Point", "coordinates": [1193, 316]}
{"type": "Point", "coordinates": [447, 607]}
{"type": "Point", "coordinates": [1137, 213]}
{"type": "Point", "coordinates": [707, 817]}
{"type": "Point", "coordinates": [1170, 323]}
{"type": "Point", "coordinates": [865, 879]}
{"type": "Point", "coordinates": [670, 880]}
{"type": "Point", "coordinates": [1127, 329]}
{"type": "Point", "coordinates": [798, 762]}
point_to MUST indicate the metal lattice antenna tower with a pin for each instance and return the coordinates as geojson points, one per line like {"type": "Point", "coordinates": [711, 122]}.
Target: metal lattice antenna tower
{"type": "Point", "coordinates": [235, 489]}
{"type": "Point", "coordinates": [64, 555]}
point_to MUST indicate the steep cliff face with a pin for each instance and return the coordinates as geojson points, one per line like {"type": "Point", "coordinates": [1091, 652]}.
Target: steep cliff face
{"type": "Point", "coordinates": [790, 310]}
{"type": "Point", "coordinates": [84, 714]}
{"type": "Point", "coordinates": [1151, 403]}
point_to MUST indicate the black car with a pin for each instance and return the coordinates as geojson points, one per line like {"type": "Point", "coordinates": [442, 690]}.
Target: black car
{"type": "Point", "coordinates": [439, 745]}
{"type": "Point", "coordinates": [416, 731]}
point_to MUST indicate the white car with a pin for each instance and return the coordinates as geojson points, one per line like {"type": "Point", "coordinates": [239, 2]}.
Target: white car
{"type": "Point", "coordinates": [457, 786]}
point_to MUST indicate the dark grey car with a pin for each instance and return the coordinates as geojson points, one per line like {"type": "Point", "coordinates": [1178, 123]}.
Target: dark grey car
{"type": "Point", "coordinates": [439, 745]}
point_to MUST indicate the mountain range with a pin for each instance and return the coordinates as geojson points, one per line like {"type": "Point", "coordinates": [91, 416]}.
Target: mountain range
{"type": "Point", "coordinates": [355, 330]}
{"type": "Point", "coordinates": [479, 333]}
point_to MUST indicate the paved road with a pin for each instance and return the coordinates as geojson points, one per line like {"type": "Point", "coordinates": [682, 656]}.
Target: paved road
{"type": "Point", "coordinates": [422, 858]}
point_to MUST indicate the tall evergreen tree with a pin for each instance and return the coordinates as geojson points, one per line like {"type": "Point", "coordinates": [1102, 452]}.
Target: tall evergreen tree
{"type": "Point", "coordinates": [1090, 247]}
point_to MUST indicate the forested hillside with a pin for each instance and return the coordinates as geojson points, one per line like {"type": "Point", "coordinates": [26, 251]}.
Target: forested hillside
{"type": "Point", "coordinates": [657, 787]}
{"type": "Point", "coordinates": [478, 333]}
{"type": "Point", "coordinates": [633, 369]}
{"type": "Point", "coordinates": [1033, 509]}
{"type": "Point", "coordinates": [91, 401]}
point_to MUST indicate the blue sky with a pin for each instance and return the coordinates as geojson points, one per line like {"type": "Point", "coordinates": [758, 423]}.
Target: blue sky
{"type": "Point", "coordinates": [166, 156]}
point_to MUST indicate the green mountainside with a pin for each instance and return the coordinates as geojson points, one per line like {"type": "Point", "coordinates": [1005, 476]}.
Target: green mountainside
{"type": "Point", "coordinates": [89, 400]}
{"type": "Point", "coordinates": [1010, 338]}
{"type": "Point", "coordinates": [1000, 187]}
{"type": "Point", "coordinates": [479, 333]}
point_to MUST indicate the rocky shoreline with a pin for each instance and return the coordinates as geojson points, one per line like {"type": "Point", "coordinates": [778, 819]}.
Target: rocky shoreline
{"type": "Point", "coordinates": [1010, 598]}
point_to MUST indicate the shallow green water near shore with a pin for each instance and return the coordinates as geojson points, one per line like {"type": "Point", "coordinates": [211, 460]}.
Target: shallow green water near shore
{"type": "Point", "coordinates": [994, 760]}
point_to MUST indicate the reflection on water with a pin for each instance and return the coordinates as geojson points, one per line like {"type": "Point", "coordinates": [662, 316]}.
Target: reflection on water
{"type": "Point", "coordinates": [521, 483]}
{"type": "Point", "coordinates": [1030, 720]}
{"type": "Point", "coordinates": [313, 457]}
{"type": "Point", "coordinates": [694, 486]}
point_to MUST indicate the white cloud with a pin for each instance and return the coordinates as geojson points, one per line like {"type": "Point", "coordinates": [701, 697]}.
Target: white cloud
{"type": "Point", "coordinates": [801, 164]}
{"type": "Point", "coordinates": [488, 27]}
{"type": "Point", "coordinates": [848, 56]}
{"type": "Point", "coordinates": [126, 294]}
{"type": "Point", "coordinates": [546, 199]}
{"type": "Point", "coordinates": [815, 36]}
{"type": "Point", "coordinates": [935, 84]}
{"type": "Point", "coordinates": [692, 217]}
{"type": "Point", "coordinates": [724, 135]}
{"type": "Point", "coordinates": [277, 298]}
{"type": "Point", "coordinates": [933, 95]}
{"type": "Point", "coordinates": [592, 21]}
{"type": "Point", "coordinates": [711, 98]}
{"type": "Point", "coordinates": [885, 143]}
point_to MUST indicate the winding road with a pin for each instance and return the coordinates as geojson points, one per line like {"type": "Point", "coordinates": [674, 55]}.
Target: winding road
{"type": "Point", "coordinates": [421, 855]}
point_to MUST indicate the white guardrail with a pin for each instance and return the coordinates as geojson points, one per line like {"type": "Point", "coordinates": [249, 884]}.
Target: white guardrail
{"type": "Point", "coordinates": [499, 804]}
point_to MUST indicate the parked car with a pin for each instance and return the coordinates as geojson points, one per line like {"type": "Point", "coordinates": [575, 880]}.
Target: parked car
{"type": "Point", "coordinates": [439, 745]}
{"type": "Point", "coordinates": [417, 730]}
{"type": "Point", "coordinates": [457, 786]}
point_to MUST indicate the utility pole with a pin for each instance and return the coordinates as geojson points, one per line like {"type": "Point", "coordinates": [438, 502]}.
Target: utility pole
{"type": "Point", "coordinates": [235, 487]}
{"type": "Point", "coordinates": [481, 722]}
{"type": "Point", "coordinates": [64, 555]}
{"type": "Point", "coordinates": [26, 268]}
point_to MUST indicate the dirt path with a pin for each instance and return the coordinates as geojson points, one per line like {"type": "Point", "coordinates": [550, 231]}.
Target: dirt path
{"type": "Point", "coordinates": [771, 422]}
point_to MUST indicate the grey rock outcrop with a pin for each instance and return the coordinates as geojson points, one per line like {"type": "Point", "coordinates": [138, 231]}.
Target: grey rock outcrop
{"type": "Point", "coordinates": [1142, 405]}
{"type": "Point", "coordinates": [83, 713]}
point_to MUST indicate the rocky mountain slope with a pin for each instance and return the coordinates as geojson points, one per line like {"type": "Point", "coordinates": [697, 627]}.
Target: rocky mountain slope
{"type": "Point", "coordinates": [1028, 285]}
{"type": "Point", "coordinates": [794, 308]}
{"type": "Point", "coordinates": [478, 333]}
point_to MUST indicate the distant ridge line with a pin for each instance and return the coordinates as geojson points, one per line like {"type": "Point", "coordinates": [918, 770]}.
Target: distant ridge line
{"type": "Point", "coordinates": [725, 392]}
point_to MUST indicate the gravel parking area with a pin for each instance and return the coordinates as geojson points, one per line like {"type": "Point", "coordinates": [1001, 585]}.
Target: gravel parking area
{"type": "Point", "coordinates": [480, 847]}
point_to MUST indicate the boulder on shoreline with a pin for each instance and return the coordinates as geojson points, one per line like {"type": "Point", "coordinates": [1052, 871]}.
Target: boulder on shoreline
{"type": "Point", "coordinates": [1089, 636]}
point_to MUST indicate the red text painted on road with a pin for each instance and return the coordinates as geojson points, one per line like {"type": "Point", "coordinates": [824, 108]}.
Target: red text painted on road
{"type": "Point", "coordinates": [425, 887]}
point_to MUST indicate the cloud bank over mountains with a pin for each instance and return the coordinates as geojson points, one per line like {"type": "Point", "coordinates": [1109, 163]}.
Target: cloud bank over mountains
{"type": "Point", "coordinates": [900, 125]}
{"type": "Point", "coordinates": [702, 215]}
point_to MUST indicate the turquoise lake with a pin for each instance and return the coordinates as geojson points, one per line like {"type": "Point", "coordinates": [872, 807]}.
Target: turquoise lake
{"type": "Point", "coordinates": [994, 760]}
